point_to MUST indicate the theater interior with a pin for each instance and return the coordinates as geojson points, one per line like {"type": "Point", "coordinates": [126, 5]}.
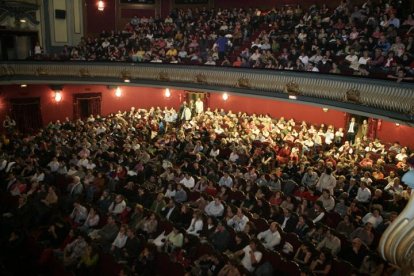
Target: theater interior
{"type": "Point", "coordinates": [206, 137]}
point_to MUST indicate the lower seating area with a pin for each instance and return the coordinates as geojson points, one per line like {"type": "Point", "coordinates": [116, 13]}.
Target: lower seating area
{"type": "Point", "coordinates": [116, 196]}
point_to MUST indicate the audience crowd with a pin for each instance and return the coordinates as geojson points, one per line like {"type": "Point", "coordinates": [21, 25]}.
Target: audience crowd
{"type": "Point", "coordinates": [197, 192]}
{"type": "Point", "coordinates": [365, 40]}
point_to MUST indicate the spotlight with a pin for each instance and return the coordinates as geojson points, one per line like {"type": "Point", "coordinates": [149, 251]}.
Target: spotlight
{"type": "Point", "coordinates": [101, 5]}
{"type": "Point", "coordinates": [397, 124]}
{"type": "Point", "coordinates": [118, 92]}
{"type": "Point", "coordinates": [22, 20]}
{"type": "Point", "coordinates": [325, 109]}
{"type": "Point", "coordinates": [167, 93]}
{"type": "Point", "coordinates": [23, 85]}
{"type": "Point", "coordinates": [58, 96]}
{"type": "Point", "coordinates": [292, 97]}
{"type": "Point", "coordinates": [127, 80]}
{"type": "Point", "coordinates": [225, 96]}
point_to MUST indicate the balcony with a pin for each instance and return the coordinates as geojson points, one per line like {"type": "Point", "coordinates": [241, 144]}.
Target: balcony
{"type": "Point", "coordinates": [379, 98]}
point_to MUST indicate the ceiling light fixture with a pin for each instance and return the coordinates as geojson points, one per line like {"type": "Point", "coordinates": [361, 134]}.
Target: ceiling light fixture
{"type": "Point", "coordinates": [101, 5]}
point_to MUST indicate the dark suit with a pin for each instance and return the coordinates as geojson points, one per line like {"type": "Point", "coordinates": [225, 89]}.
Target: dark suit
{"type": "Point", "coordinates": [290, 225]}
{"type": "Point", "coordinates": [174, 216]}
{"type": "Point", "coordinates": [350, 133]}
{"type": "Point", "coordinates": [352, 191]}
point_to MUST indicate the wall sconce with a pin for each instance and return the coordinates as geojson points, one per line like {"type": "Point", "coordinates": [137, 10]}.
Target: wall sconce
{"type": "Point", "coordinates": [58, 96]}
{"type": "Point", "coordinates": [325, 109]}
{"type": "Point", "coordinates": [118, 92]}
{"type": "Point", "coordinates": [225, 96]}
{"type": "Point", "coordinates": [167, 93]}
{"type": "Point", "coordinates": [101, 5]}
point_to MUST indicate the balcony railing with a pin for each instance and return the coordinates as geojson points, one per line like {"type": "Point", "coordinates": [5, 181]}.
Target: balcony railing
{"type": "Point", "coordinates": [380, 97]}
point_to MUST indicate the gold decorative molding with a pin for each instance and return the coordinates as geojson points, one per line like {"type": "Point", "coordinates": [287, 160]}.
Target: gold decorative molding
{"type": "Point", "coordinates": [371, 93]}
{"type": "Point", "coordinates": [7, 71]}
{"type": "Point", "coordinates": [163, 76]}
{"type": "Point", "coordinates": [84, 73]}
{"type": "Point", "coordinates": [40, 71]}
{"type": "Point", "coordinates": [292, 88]}
{"type": "Point", "coordinates": [243, 83]}
{"type": "Point", "coordinates": [353, 95]}
{"type": "Point", "coordinates": [201, 78]}
{"type": "Point", "coordinates": [125, 74]}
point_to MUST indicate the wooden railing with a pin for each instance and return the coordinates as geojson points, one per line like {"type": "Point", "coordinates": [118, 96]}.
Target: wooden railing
{"type": "Point", "coordinates": [381, 97]}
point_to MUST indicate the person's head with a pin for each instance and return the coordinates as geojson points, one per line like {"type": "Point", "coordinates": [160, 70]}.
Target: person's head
{"type": "Point", "coordinates": [217, 201]}
{"type": "Point", "coordinates": [326, 194]}
{"type": "Point", "coordinates": [119, 198]}
{"type": "Point", "coordinates": [368, 227]}
{"type": "Point", "coordinates": [286, 212]}
{"type": "Point", "coordinates": [111, 220]}
{"type": "Point", "coordinates": [273, 227]}
{"type": "Point", "coordinates": [356, 243]}
{"type": "Point", "coordinates": [253, 244]}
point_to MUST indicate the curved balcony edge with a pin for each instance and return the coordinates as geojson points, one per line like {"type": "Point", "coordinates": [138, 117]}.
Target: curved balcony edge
{"type": "Point", "coordinates": [381, 98]}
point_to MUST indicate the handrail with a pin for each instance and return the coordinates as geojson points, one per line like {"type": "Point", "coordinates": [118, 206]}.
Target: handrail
{"type": "Point", "coordinates": [382, 95]}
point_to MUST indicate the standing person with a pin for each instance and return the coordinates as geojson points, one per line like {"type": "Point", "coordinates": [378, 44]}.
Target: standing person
{"type": "Point", "coordinates": [364, 129]}
{"type": "Point", "coordinates": [352, 130]}
{"type": "Point", "coordinates": [199, 106]}
{"type": "Point", "coordinates": [221, 43]}
{"type": "Point", "coordinates": [181, 111]}
{"type": "Point", "coordinates": [9, 124]}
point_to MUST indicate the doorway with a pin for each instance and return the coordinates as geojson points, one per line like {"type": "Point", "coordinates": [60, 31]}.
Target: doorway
{"type": "Point", "coordinates": [366, 126]}
{"type": "Point", "coordinates": [193, 96]}
{"type": "Point", "coordinates": [26, 112]}
{"type": "Point", "coordinates": [85, 105]}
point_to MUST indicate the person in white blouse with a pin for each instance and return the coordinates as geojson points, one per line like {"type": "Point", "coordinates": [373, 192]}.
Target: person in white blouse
{"type": "Point", "coordinates": [239, 221]}
{"type": "Point", "coordinates": [364, 194]}
{"type": "Point", "coordinates": [326, 181]}
{"type": "Point", "coordinates": [117, 206]}
{"type": "Point", "coordinates": [374, 218]}
{"type": "Point", "coordinates": [196, 224]}
{"type": "Point", "coordinates": [252, 256]}
{"type": "Point", "coordinates": [199, 106]}
{"type": "Point", "coordinates": [188, 181]}
{"type": "Point", "coordinates": [120, 239]}
{"type": "Point", "coordinates": [79, 213]}
{"type": "Point", "coordinates": [91, 221]}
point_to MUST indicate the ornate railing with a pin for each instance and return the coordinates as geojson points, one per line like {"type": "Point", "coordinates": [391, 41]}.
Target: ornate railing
{"type": "Point", "coordinates": [380, 97]}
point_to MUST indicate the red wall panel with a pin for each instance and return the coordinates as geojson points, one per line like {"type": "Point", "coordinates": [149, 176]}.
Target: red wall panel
{"type": "Point", "coordinates": [146, 97]}
{"type": "Point", "coordinates": [97, 21]}
{"type": "Point", "coordinates": [278, 109]}
{"type": "Point", "coordinates": [130, 13]}
{"type": "Point", "coordinates": [390, 132]}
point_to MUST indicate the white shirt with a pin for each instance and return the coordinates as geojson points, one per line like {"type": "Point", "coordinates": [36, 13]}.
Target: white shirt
{"type": "Point", "coordinates": [118, 208]}
{"type": "Point", "coordinates": [195, 227]}
{"type": "Point", "coordinates": [238, 223]}
{"type": "Point", "coordinates": [188, 182]}
{"type": "Point", "coordinates": [247, 261]}
{"type": "Point", "coordinates": [363, 195]}
{"type": "Point", "coordinates": [271, 239]}
{"type": "Point", "coordinates": [120, 240]}
{"type": "Point", "coordinates": [326, 181]}
{"type": "Point", "coordinates": [199, 106]}
{"type": "Point", "coordinates": [351, 127]}
{"type": "Point", "coordinates": [212, 209]}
